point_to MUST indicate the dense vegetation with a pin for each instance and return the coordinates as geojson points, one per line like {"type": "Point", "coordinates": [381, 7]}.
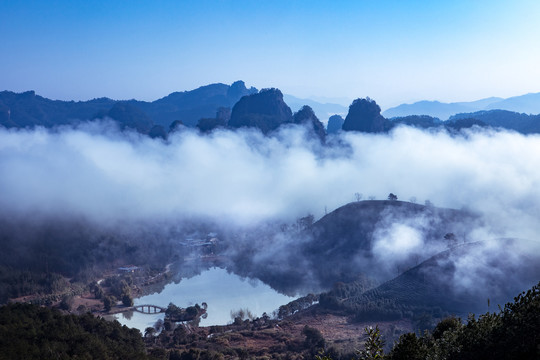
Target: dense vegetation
{"type": "Point", "coordinates": [177, 314]}
{"type": "Point", "coordinates": [38, 256]}
{"type": "Point", "coordinates": [33, 332]}
{"type": "Point", "coordinates": [512, 333]}
{"type": "Point", "coordinates": [251, 338]}
{"type": "Point", "coordinates": [428, 291]}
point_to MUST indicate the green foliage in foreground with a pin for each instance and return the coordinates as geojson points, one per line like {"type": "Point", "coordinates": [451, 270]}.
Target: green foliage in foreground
{"type": "Point", "coordinates": [373, 348]}
{"type": "Point", "coordinates": [513, 333]}
{"type": "Point", "coordinates": [33, 332]}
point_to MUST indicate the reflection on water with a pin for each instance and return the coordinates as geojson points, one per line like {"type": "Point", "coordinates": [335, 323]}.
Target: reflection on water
{"type": "Point", "coordinates": [128, 315]}
{"type": "Point", "coordinates": [222, 291]}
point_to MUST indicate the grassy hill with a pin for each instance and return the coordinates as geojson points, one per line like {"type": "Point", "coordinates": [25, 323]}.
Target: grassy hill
{"type": "Point", "coordinates": [350, 239]}
{"type": "Point", "coordinates": [456, 281]}
{"type": "Point", "coordinates": [347, 244]}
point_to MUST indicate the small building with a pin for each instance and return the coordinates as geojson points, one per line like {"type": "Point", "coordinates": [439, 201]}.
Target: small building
{"type": "Point", "coordinates": [128, 269]}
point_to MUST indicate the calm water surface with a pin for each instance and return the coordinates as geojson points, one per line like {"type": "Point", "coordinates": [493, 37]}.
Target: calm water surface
{"type": "Point", "coordinates": [222, 291]}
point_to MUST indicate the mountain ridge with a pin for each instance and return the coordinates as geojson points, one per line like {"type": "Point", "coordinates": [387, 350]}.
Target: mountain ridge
{"type": "Point", "coordinates": [27, 109]}
{"type": "Point", "coordinates": [527, 103]}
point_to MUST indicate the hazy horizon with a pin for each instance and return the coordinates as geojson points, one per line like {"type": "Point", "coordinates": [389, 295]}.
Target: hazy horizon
{"type": "Point", "coordinates": [393, 52]}
{"type": "Point", "coordinates": [343, 101]}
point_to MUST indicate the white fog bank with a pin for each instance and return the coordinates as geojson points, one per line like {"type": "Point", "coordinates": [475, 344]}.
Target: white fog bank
{"type": "Point", "coordinates": [242, 177]}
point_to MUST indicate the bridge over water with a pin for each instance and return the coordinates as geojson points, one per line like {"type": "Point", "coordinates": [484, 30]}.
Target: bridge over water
{"type": "Point", "coordinates": [149, 309]}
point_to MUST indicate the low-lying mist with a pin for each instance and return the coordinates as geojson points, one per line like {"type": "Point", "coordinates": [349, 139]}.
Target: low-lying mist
{"type": "Point", "coordinates": [242, 179]}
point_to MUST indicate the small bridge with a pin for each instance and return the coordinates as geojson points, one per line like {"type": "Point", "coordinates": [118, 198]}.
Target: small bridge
{"type": "Point", "coordinates": [149, 309]}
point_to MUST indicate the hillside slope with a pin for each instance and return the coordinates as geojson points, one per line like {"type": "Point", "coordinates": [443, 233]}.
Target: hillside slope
{"type": "Point", "coordinates": [473, 277]}
{"type": "Point", "coordinates": [370, 240]}
{"type": "Point", "coordinates": [364, 237]}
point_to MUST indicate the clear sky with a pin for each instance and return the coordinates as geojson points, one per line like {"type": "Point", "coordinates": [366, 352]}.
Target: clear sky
{"type": "Point", "coordinates": [393, 51]}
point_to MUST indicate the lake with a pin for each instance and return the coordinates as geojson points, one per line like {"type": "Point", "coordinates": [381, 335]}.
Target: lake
{"type": "Point", "coordinates": [222, 291]}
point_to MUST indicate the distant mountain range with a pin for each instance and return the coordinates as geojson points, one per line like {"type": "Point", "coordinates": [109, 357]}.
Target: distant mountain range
{"type": "Point", "coordinates": [528, 104]}
{"type": "Point", "coordinates": [29, 109]}
{"type": "Point", "coordinates": [212, 106]}
{"type": "Point", "coordinates": [523, 123]}
{"type": "Point", "coordinates": [322, 110]}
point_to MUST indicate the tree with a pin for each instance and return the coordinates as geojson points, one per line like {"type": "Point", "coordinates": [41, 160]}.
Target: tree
{"type": "Point", "coordinates": [373, 348]}
{"type": "Point", "coordinates": [32, 332]}
{"type": "Point", "coordinates": [358, 196]}
{"type": "Point", "coordinates": [108, 302]}
{"type": "Point", "coordinates": [513, 333]}
{"type": "Point", "coordinates": [149, 331]}
{"type": "Point", "coordinates": [192, 312]}
{"type": "Point", "coordinates": [392, 197]}
{"type": "Point", "coordinates": [168, 325]}
{"type": "Point", "coordinates": [448, 324]}
{"type": "Point", "coordinates": [98, 292]}
{"type": "Point", "coordinates": [314, 339]}
{"type": "Point", "coordinates": [243, 314]}
{"type": "Point", "coordinates": [66, 303]}
{"type": "Point", "coordinates": [127, 300]}
{"type": "Point", "coordinates": [409, 347]}
{"type": "Point", "coordinates": [173, 311]}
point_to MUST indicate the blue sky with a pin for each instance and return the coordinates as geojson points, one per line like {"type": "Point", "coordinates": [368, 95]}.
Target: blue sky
{"type": "Point", "coordinates": [393, 51]}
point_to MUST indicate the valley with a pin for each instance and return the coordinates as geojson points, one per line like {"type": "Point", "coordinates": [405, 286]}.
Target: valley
{"type": "Point", "coordinates": [348, 270]}
{"type": "Point", "coordinates": [257, 180]}
{"type": "Point", "coordinates": [244, 235]}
